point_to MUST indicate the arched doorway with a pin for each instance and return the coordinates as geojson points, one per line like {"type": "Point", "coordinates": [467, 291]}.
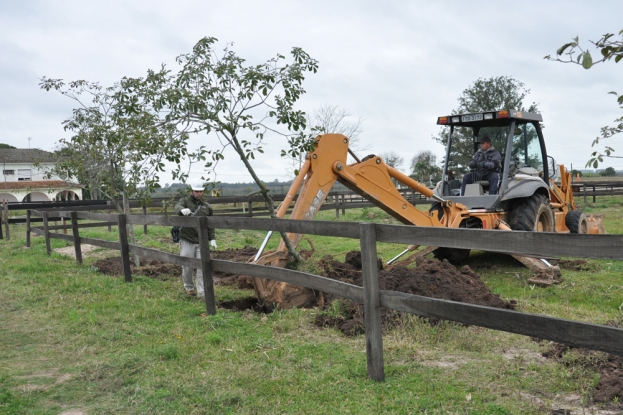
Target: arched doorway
{"type": "Point", "coordinates": [66, 195]}
{"type": "Point", "coordinates": [7, 197]}
{"type": "Point", "coordinates": [36, 197]}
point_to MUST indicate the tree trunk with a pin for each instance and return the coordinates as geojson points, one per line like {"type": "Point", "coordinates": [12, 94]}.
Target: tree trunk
{"type": "Point", "coordinates": [269, 200]}
{"type": "Point", "coordinates": [126, 210]}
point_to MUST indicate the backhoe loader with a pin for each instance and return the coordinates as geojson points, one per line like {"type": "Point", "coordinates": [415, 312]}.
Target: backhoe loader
{"type": "Point", "coordinates": [528, 198]}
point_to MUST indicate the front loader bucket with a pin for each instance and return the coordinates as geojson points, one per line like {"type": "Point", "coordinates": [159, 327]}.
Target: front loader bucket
{"type": "Point", "coordinates": [595, 224]}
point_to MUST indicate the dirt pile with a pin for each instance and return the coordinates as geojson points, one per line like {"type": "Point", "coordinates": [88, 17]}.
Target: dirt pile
{"type": "Point", "coordinates": [235, 255]}
{"type": "Point", "coordinates": [430, 278]}
{"type": "Point", "coordinates": [152, 268]}
{"type": "Point", "coordinates": [609, 367]}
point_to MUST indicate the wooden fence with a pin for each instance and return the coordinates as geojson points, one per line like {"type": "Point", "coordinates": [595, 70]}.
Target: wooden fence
{"type": "Point", "coordinates": [573, 333]}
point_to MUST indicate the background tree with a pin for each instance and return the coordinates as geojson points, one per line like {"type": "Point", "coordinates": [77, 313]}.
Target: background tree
{"type": "Point", "coordinates": [490, 94]}
{"type": "Point", "coordinates": [2, 145]}
{"type": "Point", "coordinates": [609, 172]}
{"type": "Point", "coordinates": [330, 119]}
{"type": "Point", "coordinates": [392, 159]}
{"type": "Point", "coordinates": [237, 104]}
{"type": "Point", "coordinates": [424, 167]}
{"type": "Point", "coordinates": [609, 49]}
{"type": "Point", "coordinates": [119, 144]}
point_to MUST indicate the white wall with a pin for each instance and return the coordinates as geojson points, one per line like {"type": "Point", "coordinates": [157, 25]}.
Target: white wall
{"type": "Point", "coordinates": [37, 174]}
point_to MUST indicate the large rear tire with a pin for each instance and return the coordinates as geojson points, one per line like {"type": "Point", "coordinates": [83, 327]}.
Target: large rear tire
{"type": "Point", "coordinates": [453, 255]}
{"type": "Point", "coordinates": [576, 222]}
{"type": "Point", "coordinates": [533, 214]}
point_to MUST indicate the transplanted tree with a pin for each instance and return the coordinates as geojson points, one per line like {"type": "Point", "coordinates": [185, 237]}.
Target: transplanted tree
{"type": "Point", "coordinates": [217, 93]}
{"type": "Point", "coordinates": [495, 93]}
{"type": "Point", "coordinates": [609, 49]}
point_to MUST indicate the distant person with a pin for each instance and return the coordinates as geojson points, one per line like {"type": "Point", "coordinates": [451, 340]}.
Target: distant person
{"type": "Point", "coordinates": [485, 165]}
{"type": "Point", "coordinates": [193, 205]}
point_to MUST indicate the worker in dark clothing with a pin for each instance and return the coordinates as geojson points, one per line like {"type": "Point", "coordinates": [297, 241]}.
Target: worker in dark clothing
{"type": "Point", "coordinates": [193, 205]}
{"type": "Point", "coordinates": [485, 165]}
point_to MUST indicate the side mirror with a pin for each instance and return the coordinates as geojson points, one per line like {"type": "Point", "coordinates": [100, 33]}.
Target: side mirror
{"type": "Point", "coordinates": [551, 167]}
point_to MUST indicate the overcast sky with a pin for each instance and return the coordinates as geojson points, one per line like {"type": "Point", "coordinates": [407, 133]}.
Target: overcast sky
{"type": "Point", "coordinates": [398, 65]}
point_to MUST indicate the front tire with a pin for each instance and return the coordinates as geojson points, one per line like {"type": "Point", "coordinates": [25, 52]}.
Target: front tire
{"type": "Point", "coordinates": [533, 214]}
{"type": "Point", "coordinates": [453, 255]}
{"type": "Point", "coordinates": [576, 222]}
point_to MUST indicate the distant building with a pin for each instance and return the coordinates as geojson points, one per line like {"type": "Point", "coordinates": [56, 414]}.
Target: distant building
{"type": "Point", "coordinates": [21, 181]}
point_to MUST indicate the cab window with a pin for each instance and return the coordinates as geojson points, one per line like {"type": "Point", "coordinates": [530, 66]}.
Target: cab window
{"type": "Point", "coordinates": [526, 146]}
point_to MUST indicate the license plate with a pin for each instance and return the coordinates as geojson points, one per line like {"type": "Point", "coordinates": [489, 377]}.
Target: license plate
{"type": "Point", "coordinates": [471, 117]}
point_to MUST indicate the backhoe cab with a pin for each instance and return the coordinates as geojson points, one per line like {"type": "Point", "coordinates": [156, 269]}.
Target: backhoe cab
{"type": "Point", "coordinates": [517, 136]}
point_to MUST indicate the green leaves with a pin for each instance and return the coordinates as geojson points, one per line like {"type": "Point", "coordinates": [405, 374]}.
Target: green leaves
{"type": "Point", "coordinates": [587, 60]}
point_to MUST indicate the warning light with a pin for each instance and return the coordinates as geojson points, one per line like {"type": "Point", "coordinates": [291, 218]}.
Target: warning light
{"type": "Point", "coordinates": [503, 114]}
{"type": "Point", "coordinates": [442, 120]}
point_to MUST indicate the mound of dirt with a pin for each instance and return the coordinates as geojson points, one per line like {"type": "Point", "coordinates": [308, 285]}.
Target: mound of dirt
{"type": "Point", "coordinates": [430, 278]}
{"type": "Point", "coordinates": [235, 255]}
{"type": "Point", "coordinates": [152, 268]}
{"type": "Point", "coordinates": [609, 367]}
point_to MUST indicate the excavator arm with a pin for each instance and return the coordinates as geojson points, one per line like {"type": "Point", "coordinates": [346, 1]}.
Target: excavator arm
{"type": "Point", "coordinates": [371, 178]}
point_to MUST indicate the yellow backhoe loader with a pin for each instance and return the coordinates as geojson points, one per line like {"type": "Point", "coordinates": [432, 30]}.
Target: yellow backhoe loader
{"type": "Point", "coordinates": [528, 198]}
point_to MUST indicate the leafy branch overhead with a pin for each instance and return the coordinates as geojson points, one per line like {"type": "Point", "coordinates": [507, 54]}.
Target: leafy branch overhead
{"type": "Point", "coordinates": [610, 49]}
{"type": "Point", "coordinates": [120, 143]}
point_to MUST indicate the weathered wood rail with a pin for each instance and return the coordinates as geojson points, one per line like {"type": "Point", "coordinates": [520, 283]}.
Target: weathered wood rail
{"type": "Point", "coordinates": [573, 333]}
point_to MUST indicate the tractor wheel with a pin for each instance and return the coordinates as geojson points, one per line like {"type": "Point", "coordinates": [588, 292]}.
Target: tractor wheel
{"type": "Point", "coordinates": [533, 214]}
{"type": "Point", "coordinates": [453, 255]}
{"type": "Point", "coordinates": [576, 221]}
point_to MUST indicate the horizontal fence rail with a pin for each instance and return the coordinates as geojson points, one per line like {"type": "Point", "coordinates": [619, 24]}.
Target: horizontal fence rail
{"type": "Point", "coordinates": [573, 333]}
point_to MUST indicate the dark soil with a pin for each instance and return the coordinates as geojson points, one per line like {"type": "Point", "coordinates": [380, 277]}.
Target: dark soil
{"type": "Point", "coordinates": [152, 268]}
{"type": "Point", "coordinates": [235, 255]}
{"type": "Point", "coordinates": [249, 303]}
{"type": "Point", "coordinates": [609, 367]}
{"type": "Point", "coordinates": [431, 278]}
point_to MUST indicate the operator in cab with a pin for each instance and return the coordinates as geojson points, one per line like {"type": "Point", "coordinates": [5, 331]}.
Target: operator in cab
{"type": "Point", "coordinates": [485, 165]}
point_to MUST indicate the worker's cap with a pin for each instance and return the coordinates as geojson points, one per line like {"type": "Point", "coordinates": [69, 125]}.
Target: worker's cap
{"type": "Point", "coordinates": [485, 139]}
{"type": "Point", "coordinates": [197, 187]}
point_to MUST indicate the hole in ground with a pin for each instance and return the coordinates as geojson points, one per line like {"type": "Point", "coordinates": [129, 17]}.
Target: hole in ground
{"type": "Point", "coordinates": [249, 303]}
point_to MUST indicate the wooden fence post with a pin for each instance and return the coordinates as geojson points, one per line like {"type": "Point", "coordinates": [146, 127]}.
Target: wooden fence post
{"type": "Point", "coordinates": [109, 226]}
{"type": "Point", "coordinates": [372, 302]}
{"type": "Point", "coordinates": [46, 231]}
{"type": "Point", "coordinates": [76, 235]}
{"type": "Point", "coordinates": [337, 206]}
{"type": "Point", "coordinates": [145, 226]}
{"type": "Point", "coordinates": [6, 220]}
{"type": "Point", "coordinates": [343, 207]}
{"type": "Point", "coordinates": [594, 201]}
{"type": "Point", "coordinates": [1, 219]}
{"type": "Point", "coordinates": [64, 223]}
{"type": "Point", "coordinates": [125, 247]}
{"type": "Point", "coordinates": [206, 266]}
{"type": "Point", "coordinates": [250, 208]}
{"type": "Point", "coordinates": [28, 228]}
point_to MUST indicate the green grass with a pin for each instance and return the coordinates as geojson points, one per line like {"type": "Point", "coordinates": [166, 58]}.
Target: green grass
{"type": "Point", "coordinates": [71, 338]}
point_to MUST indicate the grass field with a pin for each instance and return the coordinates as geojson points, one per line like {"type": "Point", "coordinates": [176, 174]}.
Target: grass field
{"type": "Point", "coordinates": [75, 341]}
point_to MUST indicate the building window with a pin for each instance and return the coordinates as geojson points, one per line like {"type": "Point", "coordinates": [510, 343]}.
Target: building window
{"type": "Point", "coordinates": [8, 172]}
{"type": "Point", "coordinates": [24, 174]}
